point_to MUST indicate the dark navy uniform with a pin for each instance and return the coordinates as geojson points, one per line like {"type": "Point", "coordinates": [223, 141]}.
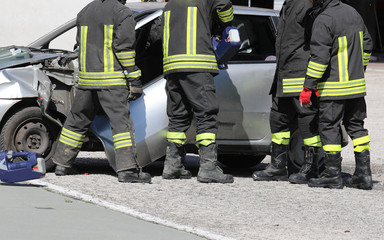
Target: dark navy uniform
{"type": "Point", "coordinates": [107, 61]}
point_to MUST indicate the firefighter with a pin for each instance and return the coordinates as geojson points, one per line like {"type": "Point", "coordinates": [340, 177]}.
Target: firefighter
{"type": "Point", "coordinates": [340, 50]}
{"type": "Point", "coordinates": [108, 80]}
{"type": "Point", "coordinates": [292, 54]}
{"type": "Point", "coordinates": [189, 66]}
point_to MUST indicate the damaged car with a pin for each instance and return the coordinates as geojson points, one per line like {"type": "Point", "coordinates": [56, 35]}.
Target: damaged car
{"type": "Point", "coordinates": [37, 85]}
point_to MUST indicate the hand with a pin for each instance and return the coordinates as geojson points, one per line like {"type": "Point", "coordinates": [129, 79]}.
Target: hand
{"type": "Point", "coordinates": [305, 97]}
{"type": "Point", "coordinates": [135, 89]}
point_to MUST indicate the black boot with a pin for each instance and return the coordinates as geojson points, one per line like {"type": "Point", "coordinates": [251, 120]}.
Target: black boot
{"type": "Point", "coordinates": [331, 176]}
{"type": "Point", "coordinates": [209, 172]}
{"type": "Point", "coordinates": [133, 176]}
{"type": "Point", "coordinates": [174, 162]}
{"type": "Point", "coordinates": [277, 169]}
{"type": "Point", "coordinates": [362, 177]}
{"type": "Point", "coordinates": [310, 167]}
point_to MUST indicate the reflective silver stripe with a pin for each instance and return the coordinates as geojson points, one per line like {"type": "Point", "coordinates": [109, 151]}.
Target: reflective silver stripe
{"type": "Point", "coordinates": [343, 59]}
{"type": "Point", "coordinates": [167, 15]}
{"type": "Point", "coordinates": [127, 58]}
{"type": "Point", "coordinates": [292, 85]}
{"type": "Point", "coordinates": [185, 57]}
{"type": "Point", "coordinates": [195, 65]}
{"type": "Point", "coordinates": [101, 75]}
{"type": "Point", "coordinates": [342, 88]}
{"type": "Point", "coordinates": [71, 138]}
{"type": "Point", "coordinates": [83, 47]}
{"type": "Point", "coordinates": [122, 140]}
{"type": "Point", "coordinates": [226, 16]}
{"type": "Point", "coordinates": [108, 52]}
{"type": "Point", "coordinates": [134, 74]}
{"type": "Point", "coordinates": [191, 30]}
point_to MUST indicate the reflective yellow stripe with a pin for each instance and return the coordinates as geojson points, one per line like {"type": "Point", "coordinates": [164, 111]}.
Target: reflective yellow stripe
{"type": "Point", "coordinates": [317, 66]}
{"type": "Point", "coordinates": [134, 74]}
{"type": "Point", "coordinates": [341, 88]}
{"type": "Point", "coordinates": [191, 65]}
{"type": "Point", "coordinates": [313, 141]}
{"type": "Point", "coordinates": [361, 140]}
{"type": "Point", "coordinates": [167, 15]}
{"type": "Point", "coordinates": [108, 52]}
{"type": "Point", "coordinates": [343, 59]}
{"type": "Point", "coordinates": [71, 138]}
{"type": "Point", "coordinates": [281, 138]}
{"type": "Point", "coordinates": [362, 45]}
{"type": "Point", "coordinates": [316, 70]}
{"type": "Point", "coordinates": [83, 47]}
{"type": "Point", "coordinates": [226, 16]}
{"type": "Point", "coordinates": [205, 139]}
{"type": "Point", "coordinates": [332, 148]}
{"type": "Point", "coordinates": [190, 57]}
{"type": "Point", "coordinates": [177, 137]}
{"type": "Point", "coordinates": [293, 85]}
{"type": "Point", "coordinates": [361, 148]}
{"type": "Point", "coordinates": [191, 30]}
{"type": "Point", "coordinates": [122, 140]}
{"type": "Point", "coordinates": [127, 58]}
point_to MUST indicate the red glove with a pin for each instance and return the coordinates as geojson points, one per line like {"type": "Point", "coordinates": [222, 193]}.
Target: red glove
{"type": "Point", "coordinates": [305, 96]}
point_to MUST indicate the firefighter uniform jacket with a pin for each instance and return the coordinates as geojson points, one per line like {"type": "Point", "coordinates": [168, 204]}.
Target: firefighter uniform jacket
{"type": "Point", "coordinates": [106, 37]}
{"type": "Point", "coordinates": [340, 50]}
{"type": "Point", "coordinates": [292, 56]}
{"type": "Point", "coordinates": [187, 26]}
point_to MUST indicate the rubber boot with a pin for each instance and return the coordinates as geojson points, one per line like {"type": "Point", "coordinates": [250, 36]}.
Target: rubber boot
{"type": "Point", "coordinates": [331, 176]}
{"type": "Point", "coordinates": [362, 177]}
{"type": "Point", "coordinates": [310, 167]}
{"type": "Point", "coordinates": [134, 176]}
{"type": "Point", "coordinates": [174, 162]}
{"type": "Point", "coordinates": [209, 172]}
{"type": "Point", "coordinates": [277, 169]}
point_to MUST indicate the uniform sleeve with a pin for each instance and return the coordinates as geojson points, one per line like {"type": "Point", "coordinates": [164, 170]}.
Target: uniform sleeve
{"type": "Point", "coordinates": [320, 45]}
{"type": "Point", "coordinates": [367, 46]}
{"type": "Point", "coordinates": [124, 42]}
{"type": "Point", "coordinates": [224, 11]}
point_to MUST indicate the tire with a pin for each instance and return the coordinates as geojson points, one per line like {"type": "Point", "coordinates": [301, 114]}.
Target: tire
{"type": "Point", "coordinates": [28, 131]}
{"type": "Point", "coordinates": [240, 161]}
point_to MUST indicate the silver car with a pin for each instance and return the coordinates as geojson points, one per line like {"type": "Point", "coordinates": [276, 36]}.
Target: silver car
{"type": "Point", "coordinates": [37, 85]}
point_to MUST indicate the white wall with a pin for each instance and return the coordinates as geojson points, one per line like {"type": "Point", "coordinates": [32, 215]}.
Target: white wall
{"type": "Point", "coordinates": [23, 21]}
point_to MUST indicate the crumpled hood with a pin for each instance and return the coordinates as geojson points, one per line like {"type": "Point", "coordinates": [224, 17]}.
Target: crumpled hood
{"type": "Point", "coordinates": [17, 83]}
{"type": "Point", "coordinates": [13, 56]}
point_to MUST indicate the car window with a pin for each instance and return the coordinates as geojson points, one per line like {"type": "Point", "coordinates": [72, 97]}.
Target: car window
{"type": "Point", "coordinates": [149, 54]}
{"type": "Point", "coordinates": [257, 34]}
{"type": "Point", "coordinates": [65, 41]}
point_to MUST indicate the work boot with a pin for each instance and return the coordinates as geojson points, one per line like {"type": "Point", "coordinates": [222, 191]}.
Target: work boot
{"type": "Point", "coordinates": [362, 177]}
{"type": "Point", "coordinates": [277, 169]}
{"type": "Point", "coordinates": [133, 176]}
{"type": "Point", "coordinates": [331, 176]}
{"type": "Point", "coordinates": [209, 172]}
{"type": "Point", "coordinates": [310, 167]}
{"type": "Point", "coordinates": [174, 162]}
{"type": "Point", "coordinates": [63, 171]}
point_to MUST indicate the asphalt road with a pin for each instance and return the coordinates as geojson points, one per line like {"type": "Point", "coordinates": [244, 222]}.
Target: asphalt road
{"type": "Point", "coordinates": [245, 209]}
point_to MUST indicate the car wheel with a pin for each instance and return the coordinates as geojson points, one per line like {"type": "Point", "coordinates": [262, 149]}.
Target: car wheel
{"type": "Point", "coordinates": [240, 160]}
{"type": "Point", "coordinates": [296, 154]}
{"type": "Point", "coordinates": [28, 131]}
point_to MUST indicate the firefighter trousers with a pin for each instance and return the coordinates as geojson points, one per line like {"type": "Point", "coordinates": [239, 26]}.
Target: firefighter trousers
{"type": "Point", "coordinates": [351, 112]}
{"type": "Point", "coordinates": [87, 103]}
{"type": "Point", "coordinates": [287, 112]}
{"type": "Point", "coordinates": [188, 95]}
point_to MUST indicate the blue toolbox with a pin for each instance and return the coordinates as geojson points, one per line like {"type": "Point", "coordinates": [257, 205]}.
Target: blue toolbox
{"type": "Point", "coordinates": [32, 168]}
{"type": "Point", "coordinates": [226, 47]}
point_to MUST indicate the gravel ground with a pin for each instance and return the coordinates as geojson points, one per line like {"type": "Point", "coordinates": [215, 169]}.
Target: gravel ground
{"type": "Point", "coordinates": [248, 209]}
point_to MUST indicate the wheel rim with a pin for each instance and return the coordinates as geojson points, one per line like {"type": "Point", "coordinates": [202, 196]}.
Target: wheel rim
{"type": "Point", "coordinates": [32, 137]}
